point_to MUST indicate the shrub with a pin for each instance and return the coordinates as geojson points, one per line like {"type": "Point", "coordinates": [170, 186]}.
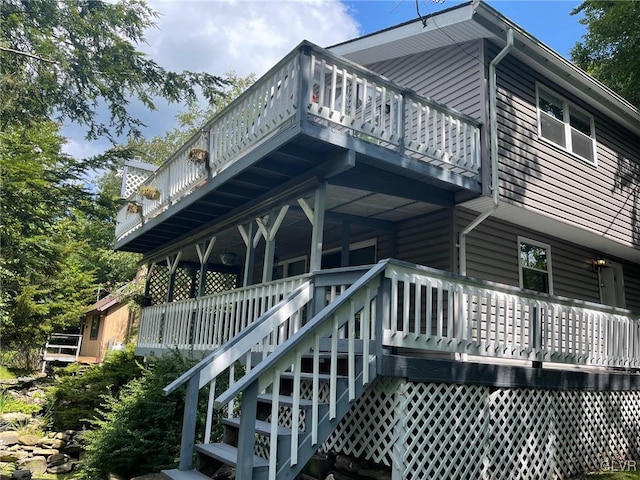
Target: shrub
{"type": "Point", "coordinates": [11, 404]}
{"type": "Point", "coordinates": [138, 432]}
{"type": "Point", "coordinates": [79, 391]}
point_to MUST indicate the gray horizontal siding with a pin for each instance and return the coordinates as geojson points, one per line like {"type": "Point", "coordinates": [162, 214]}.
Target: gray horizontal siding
{"type": "Point", "coordinates": [541, 176]}
{"type": "Point", "coordinates": [492, 254]}
{"type": "Point", "coordinates": [427, 240]}
{"type": "Point", "coordinates": [450, 75]}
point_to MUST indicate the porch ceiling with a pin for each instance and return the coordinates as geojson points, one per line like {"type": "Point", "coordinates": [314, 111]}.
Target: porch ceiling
{"type": "Point", "coordinates": [366, 182]}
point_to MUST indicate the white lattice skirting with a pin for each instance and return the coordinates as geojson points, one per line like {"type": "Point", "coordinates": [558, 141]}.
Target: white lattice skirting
{"type": "Point", "coordinates": [437, 431]}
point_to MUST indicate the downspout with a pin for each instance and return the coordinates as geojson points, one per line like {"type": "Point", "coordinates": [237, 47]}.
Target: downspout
{"type": "Point", "coordinates": [493, 153]}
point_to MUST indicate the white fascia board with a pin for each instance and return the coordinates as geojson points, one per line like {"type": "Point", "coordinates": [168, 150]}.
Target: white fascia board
{"type": "Point", "coordinates": [353, 49]}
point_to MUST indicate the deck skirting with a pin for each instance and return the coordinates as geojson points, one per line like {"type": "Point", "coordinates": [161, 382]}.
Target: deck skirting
{"type": "Point", "coordinates": [446, 430]}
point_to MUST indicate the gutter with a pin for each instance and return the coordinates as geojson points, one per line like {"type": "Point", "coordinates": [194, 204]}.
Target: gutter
{"type": "Point", "coordinates": [493, 123]}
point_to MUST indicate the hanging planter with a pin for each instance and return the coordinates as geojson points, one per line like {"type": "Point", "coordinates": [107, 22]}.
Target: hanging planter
{"type": "Point", "coordinates": [149, 192]}
{"type": "Point", "coordinates": [198, 155]}
{"type": "Point", "coordinates": [133, 208]}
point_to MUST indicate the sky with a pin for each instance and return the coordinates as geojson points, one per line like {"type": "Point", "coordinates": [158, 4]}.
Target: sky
{"type": "Point", "coordinates": [250, 36]}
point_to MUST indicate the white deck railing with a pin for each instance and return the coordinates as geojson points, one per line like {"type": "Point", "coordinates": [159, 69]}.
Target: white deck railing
{"type": "Point", "coordinates": [433, 310]}
{"type": "Point", "coordinates": [204, 323]}
{"type": "Point", "coordinates": [429, 310]}
{"type": "Point", "coordinates": [333, 92]}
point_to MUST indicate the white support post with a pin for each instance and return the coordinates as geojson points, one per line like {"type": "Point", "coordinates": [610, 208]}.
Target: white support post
{"type": "Point", "coordinates": [248, 233]}
{"type": "Point", "coordinates": [172, 262]}
{"type": "Point", "coordinates": [204, 250]}
{"type": "Point", "coordinates": [269, 228]}
{"type": "Point", "coordinates": [318, 228]}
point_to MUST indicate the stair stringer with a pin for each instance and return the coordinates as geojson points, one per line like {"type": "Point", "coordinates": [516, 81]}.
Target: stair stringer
{"type": "Point", "coordinates": [326, 426]}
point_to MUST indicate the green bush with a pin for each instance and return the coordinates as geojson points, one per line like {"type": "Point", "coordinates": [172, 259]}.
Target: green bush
{"type": "Point", "coordinates": [10, 404]}
{"type": "Point", "coordinates": [139, 430]}
{"type": "Point", "coordinates": [79, 391]}
{"type": "Point", "coordinates": [6, 374]}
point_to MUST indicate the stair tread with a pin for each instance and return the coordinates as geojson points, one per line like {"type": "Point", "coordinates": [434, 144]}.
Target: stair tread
{"type": "Point", "coordinates": [285, 400]}
{"type": "Point", "coordinates": [262, 427]}
{"type": "Point", "coordinates": [175, 474]}
{"type": "Point", "coordinates": [227, 454]}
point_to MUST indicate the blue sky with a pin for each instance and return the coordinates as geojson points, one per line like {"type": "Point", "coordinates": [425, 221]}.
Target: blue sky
{"type": "Point", "coordinates": [250, 36]}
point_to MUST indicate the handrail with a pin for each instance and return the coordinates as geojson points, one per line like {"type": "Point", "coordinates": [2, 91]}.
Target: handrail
{"type": "Point", "coordinates": [228, 353]}
{"type": "Point", "coordinates": [296, 339]}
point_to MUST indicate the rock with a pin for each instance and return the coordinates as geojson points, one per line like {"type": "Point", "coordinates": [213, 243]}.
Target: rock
{"type": "Point", "coordinates": [44, 441]}
{"type": "Point", "coordinates": [71, 433]}
{"type": "Point", "coordinates": [57, 459]}
{"type": "Point", "coordinates": [8, 438]}
{"type": "Point", "coordinates": [37, 465]}
{"type": "Point", "coordinates": [64, 468]}
{"type": "Point", "coordinates": [58, 444]}
{"type": "Point", "coordinates": [45, 451]}
{"type": "Point", "coordinates": [73, 447]}
{"type": "Point", "coordinates": [28, 440]}
{"type": "Point", "coordinates": [28, 448]}
{"type": "Point", "coordinates": [15, 417]}
{"type": "Point", "coordinates": [21, 475]}
{"type": "Point", "coordinates": [12, 456]}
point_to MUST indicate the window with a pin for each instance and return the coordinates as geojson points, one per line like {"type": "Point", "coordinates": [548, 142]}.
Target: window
{"type": "Point", "coordinates": [361, 253]}
{"type": "Point", "coordinates": [95, 327]}
{"type": "Point", "coordinates": [566, 125]}
{"type": "Point", "coordinates": [535, 265]}
{"type": "Point", "coordinates": [290, 268]}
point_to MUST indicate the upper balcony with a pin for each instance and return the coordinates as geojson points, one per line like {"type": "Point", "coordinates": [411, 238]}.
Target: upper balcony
{"type": "Point", "coordinates": [293, 124]}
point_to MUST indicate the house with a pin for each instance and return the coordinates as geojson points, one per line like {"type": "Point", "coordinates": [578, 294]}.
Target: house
{"type": "Point", "coordinates": [424, 247]}
{"type": "Point", "coordinates": [106, 325]}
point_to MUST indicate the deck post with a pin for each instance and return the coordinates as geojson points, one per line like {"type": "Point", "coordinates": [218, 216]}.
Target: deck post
{"type": "Point", "coordinates": [304, 97]}
{"type": "Point", "coordinates": [382, 317]}
{"type": "Point", "coordinates": [172, 262]}
{"type": "Point", "coordinates": [189, 424]}
{"type": "Point", "coordinates": [246, 433]}
{"type": "Point", "coordinates": [248, 233]}
{"type": "Point", "coordinates": [204, 250]}
{"type": "Point", "coordinates": [318, 228]}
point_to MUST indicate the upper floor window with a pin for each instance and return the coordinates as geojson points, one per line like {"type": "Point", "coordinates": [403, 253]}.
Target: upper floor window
{"type": "Point", "coordinates": [565, 124]}
{"type": "Point", "coordinates": [535, 265]}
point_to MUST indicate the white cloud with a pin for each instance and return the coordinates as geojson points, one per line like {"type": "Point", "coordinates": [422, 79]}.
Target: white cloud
{"type": "Point", "coordinates": [247, 36]}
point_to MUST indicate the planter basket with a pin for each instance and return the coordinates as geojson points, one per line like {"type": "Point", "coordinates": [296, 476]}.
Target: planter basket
{"type": "Point", "coordinates": [133, 208]}
{"type": "Point", "coordinates": [198, 155]}
{"type": "Point", "coordinates": [149, 192]}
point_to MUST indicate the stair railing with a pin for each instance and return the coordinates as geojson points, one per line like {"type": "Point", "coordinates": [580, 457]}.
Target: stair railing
{"type": "Point", "coordinates": [353, 318]}
{"type": "Point", "coordinates": [274, 327]}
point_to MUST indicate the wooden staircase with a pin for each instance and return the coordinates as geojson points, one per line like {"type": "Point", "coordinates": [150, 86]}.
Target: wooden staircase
{"type": "Point", "coordinates": [293, 399]}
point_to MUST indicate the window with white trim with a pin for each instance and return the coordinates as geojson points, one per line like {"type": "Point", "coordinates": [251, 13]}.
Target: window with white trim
{"type": "Point", "coordinates": [534, 260]}
{"type": "Point", "coordinates": [290, 267]}
{"type": "Point", "coordinates": [566, 125]}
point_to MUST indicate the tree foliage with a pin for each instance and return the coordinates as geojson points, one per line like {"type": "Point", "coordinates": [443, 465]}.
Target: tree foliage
{"type": "Point", "coordinates": [139, 429]}
{"type": "Point", "coordinates": [69, 60]}
{"type": "Point", "coordinates": [609, 49]}
{"type": "Point", "coordinates": [160, 148]}
{"type": "Point", "coordinates": [69, 57]}
{"type": "Point", "coordinates": [56, 236]}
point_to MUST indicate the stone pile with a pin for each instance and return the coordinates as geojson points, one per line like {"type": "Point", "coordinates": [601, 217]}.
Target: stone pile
{"type": "Point", "coordinates": [55, 453]}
